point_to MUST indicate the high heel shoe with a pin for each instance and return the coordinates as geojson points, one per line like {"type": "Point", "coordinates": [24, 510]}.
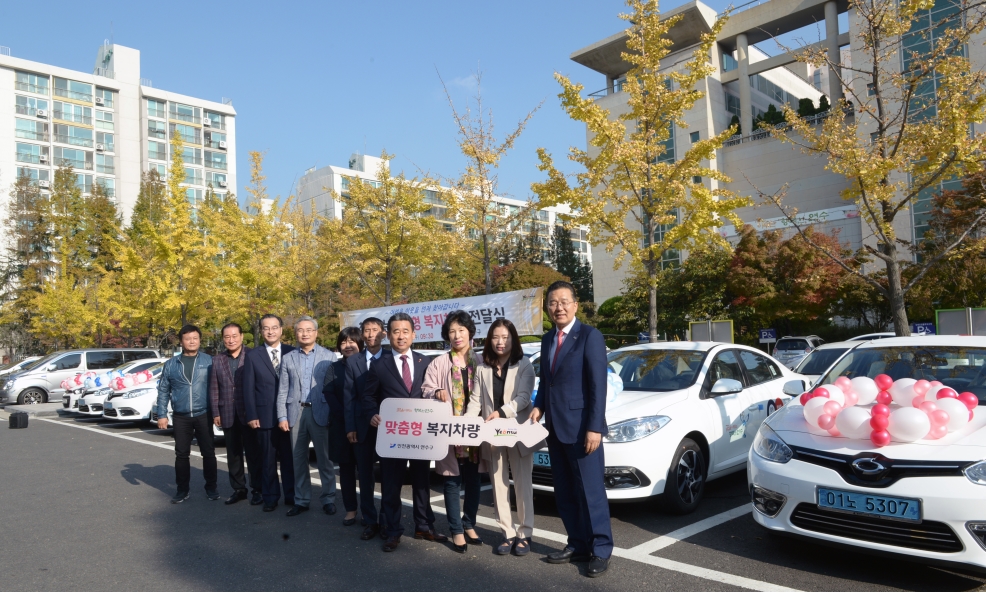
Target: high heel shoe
{"type": "Point", "coordinates": [474, 540]}
{"type": "Point", "coordinates": [460, 549]}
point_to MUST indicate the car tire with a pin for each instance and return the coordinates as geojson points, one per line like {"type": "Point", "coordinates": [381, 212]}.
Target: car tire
{"type": "Point", "coordinates": [32, 395]}
{"type": "Point", "coordinates": [685, 485]}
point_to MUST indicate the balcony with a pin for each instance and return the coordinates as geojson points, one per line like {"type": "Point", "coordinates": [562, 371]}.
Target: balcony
{"type": "Point", "coordinates": [72, 117]}
{"type": "Point", "coordinates": [220, 165]}
{"type": "Point", "coordinates": [31, 135]}
{"type": "Point", "coordinates": [109, 146]}
{"type": "Point", "coordinates": [183, 117]}
{"type": "Point", "coordinates": [214, 144]}
{"type": "Point", "coordinates": [158, 155]}
{"type": "Point", "coordinates": [195, 160]}
{"type": "Point", "coordinates": [73, 95]}
{"type": "Point", "coordinates": [190, 139]}
{"type": "Point", "coordinates": [155, 133]}
{"type": "Point", "coordinates": [76, 164]}
{"type": "Point", "coordinates": [73, 140]}
{"type": "Point", "coordinates": [31, 88]}
{"type": "Point", "coordinates": [106, 169]}
{"type": "Point", "coordinates": [27, 157]}
{"type": "Point", "coordinates": [193, 180]}
{"type": "Point", "coordinates": [25, 110]}
{"type": "Point", "coordinates": [217, 125]}
{"type": "Point", "coordinates": [151, 112]}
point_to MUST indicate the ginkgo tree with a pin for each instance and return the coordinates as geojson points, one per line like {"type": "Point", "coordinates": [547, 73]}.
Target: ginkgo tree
{"type": "Point", "coordinates": [635, 194]}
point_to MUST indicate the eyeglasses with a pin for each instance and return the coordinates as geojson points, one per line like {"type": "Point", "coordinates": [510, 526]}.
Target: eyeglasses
{"type": "Point", "coordinates": [305, 331]}
{"type": "Point", "coordinates": [556, 304]}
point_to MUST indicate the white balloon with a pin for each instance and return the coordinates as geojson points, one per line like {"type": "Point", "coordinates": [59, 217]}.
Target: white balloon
{"type": "Point", "coordinates": [902, 391]}
{"type": "Point", "coordinates": [865, 389]}
{"type": "Point", "coordinates": [835, 394]}
{"type": "Point", "coordinates": [932, 394]}
{"type": "Point", "coordinates": [909, 424]}
{"type": "Point", "coordinates": [854, 422]}
{"type": "Point", "coordinates": [958, 414]}
{"type": "Point", "coordinates": [815, 408]}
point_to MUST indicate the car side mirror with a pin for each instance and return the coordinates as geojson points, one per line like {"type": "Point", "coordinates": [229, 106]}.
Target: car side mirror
{"type": "Point", "coordinates": [794, 388]}
{"type": "Point", "coordinates": [50, 367]}
{"type": "Point", "coordinates": [726, 387]}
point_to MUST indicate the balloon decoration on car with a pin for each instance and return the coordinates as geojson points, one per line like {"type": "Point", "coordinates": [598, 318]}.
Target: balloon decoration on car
{"type": "Point", "coordinates": [904, 410]}
{"type": "Point", "coordinates": [116, 380]}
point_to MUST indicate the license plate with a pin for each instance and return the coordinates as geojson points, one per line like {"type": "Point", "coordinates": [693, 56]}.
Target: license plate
{"type": "Point", "coordinates": [892, 507]}
{"type": "Point", "coordinates": [107, 406]}
{"type": "Point", "coordinates": [542, 459]}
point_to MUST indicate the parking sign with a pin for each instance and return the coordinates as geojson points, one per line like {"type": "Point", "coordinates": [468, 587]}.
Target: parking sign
{"type": "Point", "coordinates": [768, 336]}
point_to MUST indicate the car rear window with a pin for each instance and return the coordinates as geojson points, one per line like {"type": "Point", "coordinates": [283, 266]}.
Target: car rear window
{"type": "Point", "coordinates": [962, 369]}
{"type": "Point", "coordinates": [792, 344]}
{"type": "Point", "coordinates": [819, 360]}
{"type": "Point", "coordinates": [656, 370]}
{"type": "Point", "coordinates": [131, 355]}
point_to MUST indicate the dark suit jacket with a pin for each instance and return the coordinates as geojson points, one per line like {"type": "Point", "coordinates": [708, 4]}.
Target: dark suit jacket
{"type": "Point", "coordinates": [573, 398]}
{"type": "Point", "coordinates": [383, 380]}
{"type": "Point", "coordinates": [358, 410]}
{"type": "Point", "coordinates": [260, 385]}
{"type": "Point", "coordinates": [226, 389]}
{"type": "Point", "coordinates": [333, 389]}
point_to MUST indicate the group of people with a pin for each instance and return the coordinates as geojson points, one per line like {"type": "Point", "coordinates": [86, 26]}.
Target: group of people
{"type": "Point", "coordinates": [275, 401]}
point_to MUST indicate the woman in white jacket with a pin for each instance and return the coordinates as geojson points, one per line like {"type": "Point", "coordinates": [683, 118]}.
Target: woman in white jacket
{"type": "Point", "coordinates": [505, 382]}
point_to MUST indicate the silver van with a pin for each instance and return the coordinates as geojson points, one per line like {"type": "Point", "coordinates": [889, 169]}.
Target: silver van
{"type": "Point", "coordinates": [42, 382]}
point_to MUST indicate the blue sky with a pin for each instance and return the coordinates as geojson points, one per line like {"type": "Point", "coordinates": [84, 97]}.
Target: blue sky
{"type": "Point", "coordinates": [314, 82]}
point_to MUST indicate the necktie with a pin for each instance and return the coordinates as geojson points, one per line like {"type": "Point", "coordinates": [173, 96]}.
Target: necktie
{"type": "Point", "coordinates": [554, 359]}
{"type": "Point", "coordinates": [406, 373]}
{"type": "Point", "coordinates": [273, 359]}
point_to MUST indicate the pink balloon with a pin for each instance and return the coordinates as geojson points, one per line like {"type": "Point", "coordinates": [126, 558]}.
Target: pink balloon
{"type": "Point", "coordinates": [937, 432]}
{"type": "Point", "coordinates": [851, 398]}
{"type": "Point", "coordinates": [928, 407]}
{"type": "Point", "coordinates": [880, 438]}
{"type": "Point", "coordinates": [921, 387]}
{"type": "Point", "coordinates": [883, 382]}
{"type": "Point", "coordinates": [832, 409]}
{"type": "Point", "coordinates": [844, 384]}
{"type": "Point", "coordinates": [917, 401]}
{"type": "Point", "coordinates": [969, 399]}
{"type": "Point", "coordinates": [826, 421]}
{"type": "Point", "coordinates": [971, 414]}
{"type": "Point", "coordinates": [835, 432]}
{"type": "Point", "coordinates": [880, 410]}
{"type": "Point", "coordinates": [804, 398]}
{"type": "Point", "coordinates": [936, 383]}
{"type": "Point", "coordinates": [884, 398]}
{"type": "Point", "coordinates": [939, 418]}
{"type": "Point", "coordinates": [879, 422]}
{"type": "Point", "coordinates": [820, 392]}
{"type": "Point", "coordinates": [946, 392]}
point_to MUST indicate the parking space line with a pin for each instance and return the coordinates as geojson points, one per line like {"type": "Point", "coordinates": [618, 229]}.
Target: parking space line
{"type": "Point", "coordinates": [668, 539]}
{"type": "Point", "coordinates": [636, 553]}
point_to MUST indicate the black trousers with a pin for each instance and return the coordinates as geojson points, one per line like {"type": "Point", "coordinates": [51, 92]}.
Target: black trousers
{"type": "Point", "coordinates": [199, 427]}
{"type": "Point", "coordinates": [275, 447]}
{"type": "Point", "coordinates": [241, 443]}
{"type": "Point", "coordinates": [366, 457]}
{"type": "Point", "coordinates": [390, 503]}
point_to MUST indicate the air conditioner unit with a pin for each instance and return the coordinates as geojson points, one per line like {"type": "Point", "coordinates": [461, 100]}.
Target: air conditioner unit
{"type": "Point", "coordinates": [43, 158]}
{"type": "Point", "coordinates": [222, 144]}
{"type": "Point", "coordinates": [99, 100]}
{"type": "Point", "coordinates": [100, 147]}
{"type": "Point", "coordinates": [42, 113]}
{"type": "Point", "coordinates": [207, 122]}
{"type": "Point", "coordinates": [44, 183]}
{"type": "Point", "coordinates": [222, 184]}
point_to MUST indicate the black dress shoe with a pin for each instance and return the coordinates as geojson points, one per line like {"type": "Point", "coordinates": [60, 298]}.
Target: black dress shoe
{"type": "Point", "coordinates": [391, 544]}
{"type": "Point", "coordinates": [567, 555]}
{"type": "Point", "coordinates": [431, 535]}
{"type": "Point", "coordinates": [269, 507]}
{"type": "Point", "coordinates": [237, 497]}
{"type": "Point", "coordinates": [296, 510]}
{"type": "Point", "coordinates": [349, 522]}
{"type": "Point", "coordinates": [597, 566]}
{"type": "Point", "coordinates": [257, 498]}
{"type": "Point", "coordinates": [330, 509]}
{"type": "Point", "coordinates": [370, 532]}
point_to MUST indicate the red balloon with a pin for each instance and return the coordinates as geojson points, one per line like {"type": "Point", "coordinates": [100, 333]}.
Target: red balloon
{"type": "Point", "coordinates": [880, 438]}
{"type": "Point", "coordinates": [938, 417]}
{"type": "Point", "coordinates": [946, 392]}
{"type": "Point", "coordinates": [969, 399]}
{"type": "Point", "coordinates": [826, 421]}
{"type": "Point", "coordinates": [804, 398]}
{"type": "Point", "coordinates": [879, 422]}
{"type": "Point", "coordinates": [820, 392]}
{"type": "Point", "coordinates": [884, 398]}
{"type": "Point", "coordinates": [880, 410]}
{"type": "Point", "coordinates": [883, 382]}
{"type": "Point", "coordinates": [778, 403]}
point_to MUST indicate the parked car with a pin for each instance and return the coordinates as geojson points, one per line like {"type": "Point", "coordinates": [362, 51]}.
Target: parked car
{"type": "Point", "coordinates": [17, 367]}
{"type": "Point", "coordinates": [92, 399]}
{"type": "Point", "coordinates": [531, 348]}
{"type": "Point", "coordinates": [216, 430]}
{"type": "Point", "coordinates": [134, 403]}
{"type": "Point", "coordinates": [42, 382]}
{"type": "Point", "coordinates": [920, 499]}
{"type": "Point", "coordinates": [687, 414]}
{"type": "Point", "coordinates": [873, 336]}
{"type": "Point", "coordinates": [821, 358]}
{"type": "Point", "coordinates": [790, 350]}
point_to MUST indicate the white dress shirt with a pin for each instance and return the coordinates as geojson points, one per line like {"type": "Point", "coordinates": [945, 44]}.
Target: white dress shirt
{"type": "Point", "coordinates": [400, 363]}
{"type": "Point", "coordinates": [371, 356]}
{"type": "Point", "coordinates": [272, 349]}
{"type": "Point", "coordinates": [554, 343]}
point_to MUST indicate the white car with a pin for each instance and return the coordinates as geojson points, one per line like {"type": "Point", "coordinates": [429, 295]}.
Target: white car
{"type": "Point", "coordinates": [922, 499]}
{"type": "Point", "coordinates": [133, 403]}
{"type": "Point", "coordinates": [19, 366]}
{"type": "Point", "coordinates": [687, 413]}
{"type": "Point", "coordinates": [874, 336]}
{"type": "Point", "coordinates": [821, 358]}
{"type": "Point", "coordinates": [92, 399]}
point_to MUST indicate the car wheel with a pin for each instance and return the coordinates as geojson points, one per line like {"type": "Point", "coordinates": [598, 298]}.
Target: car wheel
{"type": "Point", "coordinates": [686, 479]}
{"type": "Point", "coordinates": [31, 396]}
{"type": "Point", "coordinates": [771, 408]}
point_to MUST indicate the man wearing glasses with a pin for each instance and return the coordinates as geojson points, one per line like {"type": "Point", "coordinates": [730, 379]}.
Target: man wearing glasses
{"type": "Point", "coordinates": [303, 411]}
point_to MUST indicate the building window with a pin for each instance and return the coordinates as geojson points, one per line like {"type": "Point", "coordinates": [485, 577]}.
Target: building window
{"type": "Point", "coordinates": [816, 80]}
{"type": "Point", "coordinates": [216, 120]}
{"type": "Point", "coordinates": [162, 170]}
{"type": "Point", "coordinates": [77, 159]}
{"type": "Point", "coordinates": [32, 83]}
{"type": "Point", "coordinates": [30, 129]}
{"type": "Point", "coordinates": [106, 139]}
{"type": "Point", "coordinates": [189, 134]}
{"type": "Point", "coordinates": [157, 150]}
{"type": "Point", "coordinates": [929, 28]}
{"type": "Point", "coordinates": [73, 135]}
{"type": "Point", "coordinates": [186, 113]}
{"type": "Point", "coordinates": [156, 109]}
{"type": "Point", "coordinates": [216, 180]}
{"type": "Point", "coordinates": [157, 129]}
{"type": "Point", "coordinates": [696, 179]}
{"type": "Point", "coordinates": [733, 104]}
{"type": "Point", "coordinates": [191, 155]}
{"type": "Point", "coordinates": [729, 62]}
{"type": "Point", "coordinates": [104, 120]}
{"type": "Point", "coordinates": [31, 153]}
{"type": "Point", "coordinates": [109, 185]}
{"type": "Point", "coordinates": [106, 95]}
{"type": "Point", "coordinates": [694, 137]}
{"type": "Point", "coordinates": [193, 176]}
{"type": "Point", "coordinates": [71, 89]}
{"type": "Point", "coordinates": [33, 174]}
{"type": "Point", "coordinates": [84, 182]}
{"type": "Point", "coordinates": [194, 196]}
{"type": "Point", "coordinates": [212, 139]}
{"type": "Point", "coordinates": [104, 164]}
{"type": "Point", "coordinates": [215, 160]}
{"type": "Point", "coordinates": [29, 105]}
{"type": "Point", "coordinates": [71, 112]}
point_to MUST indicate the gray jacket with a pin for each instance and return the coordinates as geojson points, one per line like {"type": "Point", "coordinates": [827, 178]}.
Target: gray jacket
{"type": "Point", "coordinates": [187, 398]}
{"type": "Point", "coordinates": [291, 392]}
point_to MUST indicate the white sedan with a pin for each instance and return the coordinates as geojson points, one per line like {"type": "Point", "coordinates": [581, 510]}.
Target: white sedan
{"type": "Point", "coordinates": [922, 499]}
{"type": "Point", "coordinates": [92, 399]}
{"type": "Point", "coordinates": [686, 414]}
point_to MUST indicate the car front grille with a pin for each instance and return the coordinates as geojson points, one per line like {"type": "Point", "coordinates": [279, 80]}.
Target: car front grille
{"type": "Point", "coordinates": [128, 412]}
{"type": "Point", "coordinates": [931, 536]}
{"type": "Point", "coordinates": [895, 469]}
{"type": "Point", "coordinates": [542, 476]}
{"type": "Point", "coordinates": [96, 407]}
{"type": "Point", "coordinates": [111, 413]}
{"type": "Point", "coordinates": [83, 408]}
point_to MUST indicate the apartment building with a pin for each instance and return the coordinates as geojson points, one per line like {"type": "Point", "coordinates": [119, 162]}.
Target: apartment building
{"type": "Point", "coordinates": [315, 189]}
{"type": "Point", "coordinates": [110, 125]}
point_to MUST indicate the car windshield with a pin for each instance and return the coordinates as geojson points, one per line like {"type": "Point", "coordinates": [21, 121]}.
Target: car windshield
{"type": "Point", "coordinates": [41, 361]}
{"type": "Point", "coordinates": [819, 360]}
{"type": "Point", "coordinates": [656, 370]}
{"type": "Point", "coordinates": [960, 368]}
{"type": "Point", "coordinates": [792, 345]}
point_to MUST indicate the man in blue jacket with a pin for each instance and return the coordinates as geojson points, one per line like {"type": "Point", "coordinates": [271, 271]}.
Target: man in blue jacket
{"type": "Point", "coordinates": [184, 386]}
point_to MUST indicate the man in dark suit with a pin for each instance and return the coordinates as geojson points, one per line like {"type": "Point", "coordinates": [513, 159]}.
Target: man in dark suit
{"type": "Point", "coordinates": [359, 411]}
{"type": "Point", "coordinates": [400, 373]}
{"type": "Point", "coordinates": [226, 396]}
{"type": "Point", "coordinates": [572, 398]}
{"type": "Point", "coordinates": [260, 386]}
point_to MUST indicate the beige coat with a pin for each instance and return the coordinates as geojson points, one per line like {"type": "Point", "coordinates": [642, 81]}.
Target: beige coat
{"type": "Point", "coordinates": [437, 377]}
{"type": "Point", "coordinates": [517, 390]}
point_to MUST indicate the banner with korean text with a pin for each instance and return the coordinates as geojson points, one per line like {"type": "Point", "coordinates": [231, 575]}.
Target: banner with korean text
{"type": "Point", "coordinates": [522, 307]}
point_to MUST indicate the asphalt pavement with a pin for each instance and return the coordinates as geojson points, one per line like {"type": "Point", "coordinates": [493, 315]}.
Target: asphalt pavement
{"type": "Point", "coordinates": [86, 507]}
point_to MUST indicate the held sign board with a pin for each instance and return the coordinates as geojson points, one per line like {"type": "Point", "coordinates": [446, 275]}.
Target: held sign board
{"type": "Point", "coordinates": [424, 429]}
{"type": "Point", "coordinates": [522, 307]}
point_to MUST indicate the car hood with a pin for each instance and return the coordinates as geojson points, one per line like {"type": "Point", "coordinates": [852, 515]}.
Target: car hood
{"type": "Point", "coordinates": [152, 384]}
{"type": "Point", "coordinates": [635, 404]}
{"type": "Point", "coordinates": [968, 444]}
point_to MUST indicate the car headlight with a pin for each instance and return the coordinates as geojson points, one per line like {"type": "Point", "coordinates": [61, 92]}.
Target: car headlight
{"type": "Point", "coordinates": [8, 384]}
{"type": "Point", "coordinates": [976, 473]}
{"type": "Point", "coordinates": [138, 393]}
{"type": "Point", "coordinates": [635, 428]}
{"type": "Point", "coordinates": [105, 391]}
{"type": "Point", "coordinates": [770, 446]}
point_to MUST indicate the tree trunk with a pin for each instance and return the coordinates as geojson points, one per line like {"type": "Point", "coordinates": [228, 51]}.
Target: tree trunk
{"type": "Point", "coordinates": [898, 311]}
{"type": "Point", "coordinates": [486, 265]}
